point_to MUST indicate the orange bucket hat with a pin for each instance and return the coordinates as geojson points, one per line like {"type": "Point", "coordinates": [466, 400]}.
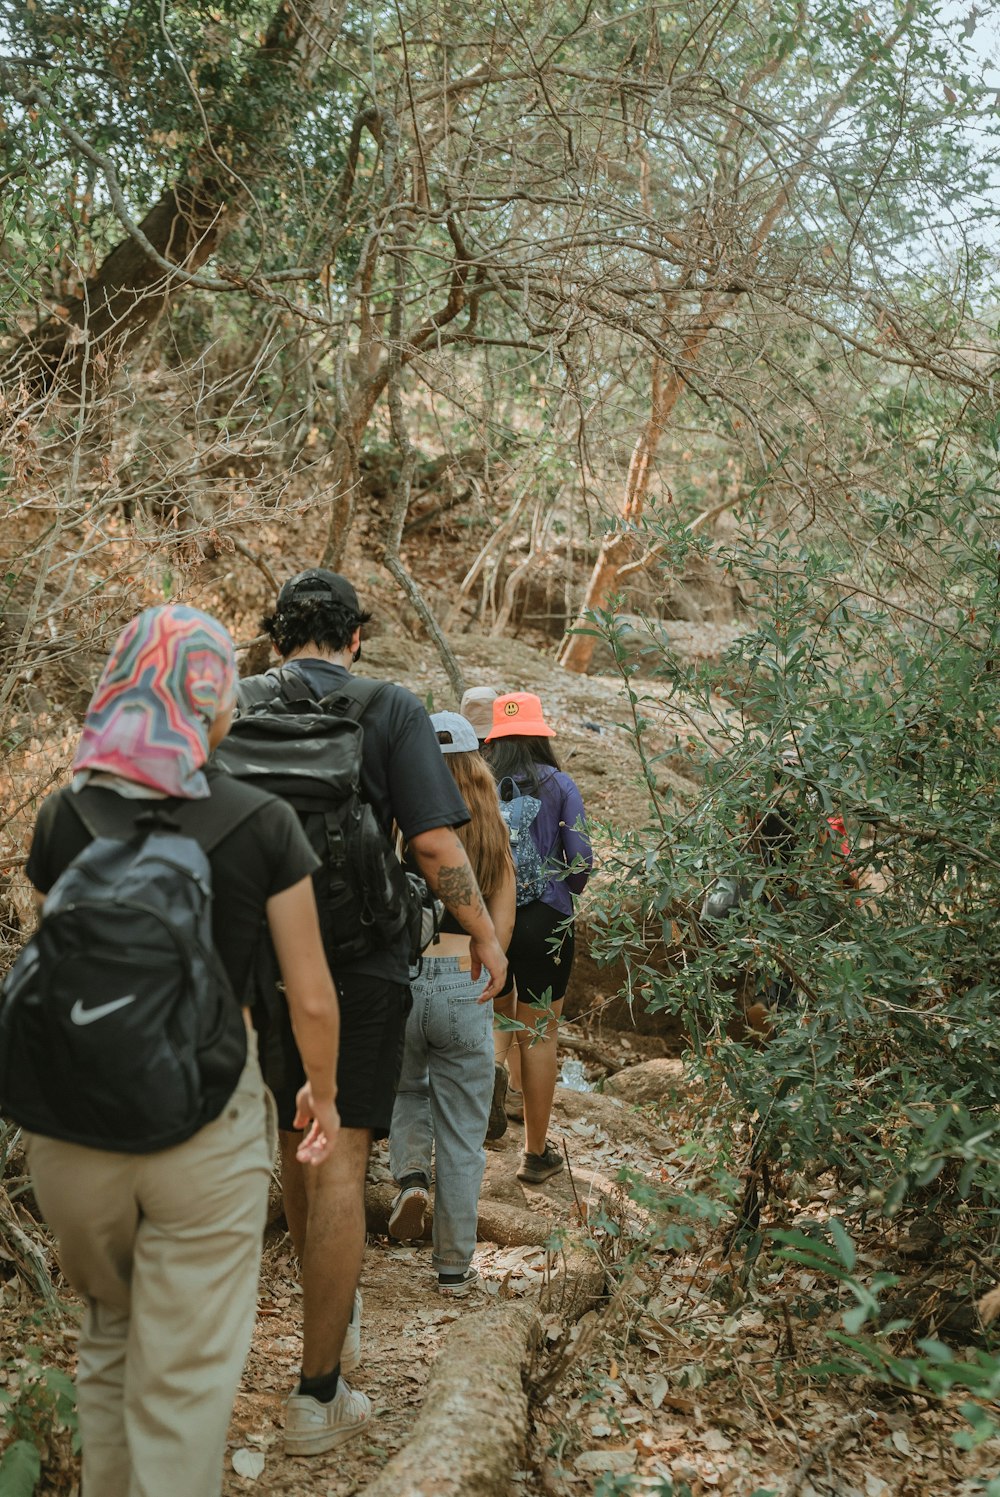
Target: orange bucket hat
{"type": "Point", "coordinates": [519, 714]}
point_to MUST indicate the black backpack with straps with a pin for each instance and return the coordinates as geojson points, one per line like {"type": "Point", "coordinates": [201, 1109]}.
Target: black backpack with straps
{"type": "Point", "coordinates": [118, 1025]}
{"type": "Point", "coordinates": [307, 750]}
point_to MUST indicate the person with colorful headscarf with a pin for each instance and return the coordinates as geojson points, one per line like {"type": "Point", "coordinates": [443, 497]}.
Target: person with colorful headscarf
{"type": "Point", "coordinates": [164, 1247]}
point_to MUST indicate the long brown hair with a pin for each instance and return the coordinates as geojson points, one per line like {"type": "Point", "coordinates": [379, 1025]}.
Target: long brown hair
{"type": "Point", "coordinates": [485, 838]}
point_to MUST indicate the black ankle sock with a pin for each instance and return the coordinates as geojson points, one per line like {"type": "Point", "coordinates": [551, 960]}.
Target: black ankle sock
{"type": "Point", "coordinates": [322, 1388]}
{"type": "Point", "coordinates": [413, 1179]}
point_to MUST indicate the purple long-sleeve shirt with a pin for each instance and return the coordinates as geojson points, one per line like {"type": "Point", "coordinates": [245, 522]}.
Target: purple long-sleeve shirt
{"type": "Point", "coordinates": [556, 833]}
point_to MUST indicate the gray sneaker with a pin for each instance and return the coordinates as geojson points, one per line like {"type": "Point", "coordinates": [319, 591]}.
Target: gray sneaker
{"type": "Point", "coordinates": [350, 1352]}
{"type": "Point", "coordinates": [312, 1427]}
{"type": "Point", "coordinates": [538, 1167]}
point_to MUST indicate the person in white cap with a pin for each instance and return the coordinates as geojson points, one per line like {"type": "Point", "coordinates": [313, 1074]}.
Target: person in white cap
{"type": "Point", "coordinates": [446, 1085]}
{"type": "Point", "coordinates": [477, 706]}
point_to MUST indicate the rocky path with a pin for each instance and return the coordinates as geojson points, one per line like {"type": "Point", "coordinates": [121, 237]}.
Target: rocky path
{"type": "Point", "coordinates": [692, 1379]}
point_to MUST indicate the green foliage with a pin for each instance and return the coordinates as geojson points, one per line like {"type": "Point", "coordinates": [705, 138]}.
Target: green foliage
{"type": "Point", "coordinates": [935, 1372]}
{"type": "Point", "coordinates": [867, 688]}
{"type": "Point", "coordinates": [627, 1485]}
{"type": "Point", "coordinates": [42, 1406]}
{"type": "Point", "coordinates": [20, 1469]}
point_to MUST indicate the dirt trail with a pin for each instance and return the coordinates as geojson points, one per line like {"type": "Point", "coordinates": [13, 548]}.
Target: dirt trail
{"type": "Point", "coordinates": [695, 1379]}
{"type": "Point", "coordinates": [691, 1382]}
{"type": "Point", "coordinates": [405, 1318]}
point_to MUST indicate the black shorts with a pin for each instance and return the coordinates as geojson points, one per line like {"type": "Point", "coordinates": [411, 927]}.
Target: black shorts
{"type": "Point", "coordinates": [540, 954]}
{"type": "Point", "coordinates": [373, 1014]}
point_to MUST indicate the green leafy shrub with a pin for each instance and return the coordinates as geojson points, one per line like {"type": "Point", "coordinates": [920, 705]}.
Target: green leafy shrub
{"type": "Point", "coordinates": [39, 1412]}
{"type": "Point", "coordinates": [866, 688]}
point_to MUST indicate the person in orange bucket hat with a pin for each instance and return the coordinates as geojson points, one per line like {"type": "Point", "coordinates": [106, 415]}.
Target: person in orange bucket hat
{"type": "Point", "coordinates": [519, 714]}
{"type": "Point", "coordinates": [544, 812]}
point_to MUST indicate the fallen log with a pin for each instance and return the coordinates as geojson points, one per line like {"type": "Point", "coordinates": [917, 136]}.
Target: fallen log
{"type": "Point", "coordinates": [471, 1432]}
{"type": "Point", "coordinates": [508, 1226]}
{"type": "Point", "coordinates": [581, 1045]}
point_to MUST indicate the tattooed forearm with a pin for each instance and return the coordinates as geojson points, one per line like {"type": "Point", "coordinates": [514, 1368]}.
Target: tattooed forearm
{"type": "Point", "coordinates": [458, 889]}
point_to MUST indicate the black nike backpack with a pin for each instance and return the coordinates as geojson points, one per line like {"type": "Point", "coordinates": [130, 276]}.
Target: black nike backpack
{"type": "Point", "coordinates": [118, 1025]}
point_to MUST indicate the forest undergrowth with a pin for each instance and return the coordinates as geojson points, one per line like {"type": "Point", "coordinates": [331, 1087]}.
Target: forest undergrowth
{"type": "Point", "coordinates": [773, 1320]}
{"type": "Point", "coordinates": [678, 322]}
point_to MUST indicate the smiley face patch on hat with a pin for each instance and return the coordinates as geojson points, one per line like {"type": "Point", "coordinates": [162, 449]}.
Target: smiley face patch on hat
{"type": "Point", "coordinates": [519, 714]}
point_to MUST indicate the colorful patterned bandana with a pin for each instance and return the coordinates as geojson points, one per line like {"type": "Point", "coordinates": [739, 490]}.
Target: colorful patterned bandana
{"type": "Point", "coordinates": [171, 672]}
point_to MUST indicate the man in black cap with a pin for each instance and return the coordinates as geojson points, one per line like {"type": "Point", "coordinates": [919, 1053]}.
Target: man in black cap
{"type": "Point", "coordinates": [316, 629]}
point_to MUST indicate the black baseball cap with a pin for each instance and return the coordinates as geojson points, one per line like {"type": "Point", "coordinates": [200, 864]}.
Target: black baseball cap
{"type": "Point", "coordinates": [318, 585]}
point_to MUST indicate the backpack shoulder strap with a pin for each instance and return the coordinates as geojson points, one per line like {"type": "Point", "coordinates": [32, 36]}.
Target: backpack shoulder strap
{"type": "Point", "coordinates": [281, 684]}
{"type": "Point", "coordinates": [108, 815]}
{"type": "Point", "coordinates": [208, 821]}
{"type": "Point", "coordinates": [353, 697]}
{"type": "Point", "coordinates": [254, 691]}
{"type": "Point", "coordinates": [293, 687]}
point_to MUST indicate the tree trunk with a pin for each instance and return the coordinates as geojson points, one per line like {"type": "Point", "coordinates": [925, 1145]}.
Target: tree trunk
{"type": "Point", "coordinates": [578, 649]}
{"type": "Point", "coordinates": [129, 291]}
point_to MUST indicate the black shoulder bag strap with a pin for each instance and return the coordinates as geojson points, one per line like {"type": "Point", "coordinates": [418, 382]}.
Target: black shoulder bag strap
{"type": "Point", "coordinates": [205, 820]}
{"type": "Point", "coordinates": [281, 684]}
{"type": "Point", "coordinates": [353, 697]}
{"type": "Point", "coordinates": [350, 700]}
{"type": "Point", "coordinates": [256, 691]}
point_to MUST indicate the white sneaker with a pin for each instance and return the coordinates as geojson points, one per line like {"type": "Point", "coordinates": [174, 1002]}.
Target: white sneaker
{"type": "Point", "coordinates": [350, 1352]}
{"type": "Point", "coordinates": [312, 1427]}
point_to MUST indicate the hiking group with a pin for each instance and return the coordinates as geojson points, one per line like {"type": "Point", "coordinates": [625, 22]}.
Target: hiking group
{"type": "Point", "coordinates": [233, 961]}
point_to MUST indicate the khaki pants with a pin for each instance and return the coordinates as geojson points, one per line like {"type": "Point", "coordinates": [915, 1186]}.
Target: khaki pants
{"type": "Point", "coordinates": [165, 1250]}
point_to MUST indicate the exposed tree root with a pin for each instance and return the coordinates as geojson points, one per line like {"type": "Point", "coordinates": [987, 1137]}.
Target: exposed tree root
{"type": "Point", "coordinates": [509, 1226]}
{"type": "Point", "coordinates": [472, 1429]}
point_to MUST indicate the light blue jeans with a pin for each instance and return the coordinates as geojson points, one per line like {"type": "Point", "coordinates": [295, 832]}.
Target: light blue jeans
{"type": "Point", "coordinates": [443, 1102]}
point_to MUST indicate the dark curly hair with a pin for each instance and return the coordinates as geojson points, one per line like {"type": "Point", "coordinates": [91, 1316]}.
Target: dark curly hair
{"type": "Point", "coordinates": [327, 624]}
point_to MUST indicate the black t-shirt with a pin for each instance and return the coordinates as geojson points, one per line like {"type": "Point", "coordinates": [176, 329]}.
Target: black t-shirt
{"type": "Point", "coordinates": [265, 854]}
{"type": "Point", "coordinates": [403, 778]}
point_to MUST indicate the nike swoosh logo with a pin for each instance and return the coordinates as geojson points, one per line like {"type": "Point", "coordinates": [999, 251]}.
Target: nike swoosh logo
{"type": "Point", "coordinates": [81, 1015]}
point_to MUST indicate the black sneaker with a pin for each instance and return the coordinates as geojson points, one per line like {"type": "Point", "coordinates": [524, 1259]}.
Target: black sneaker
{"type": "Point", "coordinates": [538, 1167]}
{"type": "Point", "coordinates": [458, 1285]}
{"type": "Point", "coordinates": [407, 1216]}
{"type": "Point", "coordinates": [497, 1125]}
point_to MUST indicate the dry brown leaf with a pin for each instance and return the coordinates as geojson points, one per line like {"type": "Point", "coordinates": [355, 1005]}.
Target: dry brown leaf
{"type": "Point", "coordinates": [989, 1306]}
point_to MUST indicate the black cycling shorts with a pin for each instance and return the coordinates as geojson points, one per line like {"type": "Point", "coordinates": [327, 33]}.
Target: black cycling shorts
{"type": "Point", "coordinates": [373, 1014]}
{"type": "Point", "coordinates": [540, 954]}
